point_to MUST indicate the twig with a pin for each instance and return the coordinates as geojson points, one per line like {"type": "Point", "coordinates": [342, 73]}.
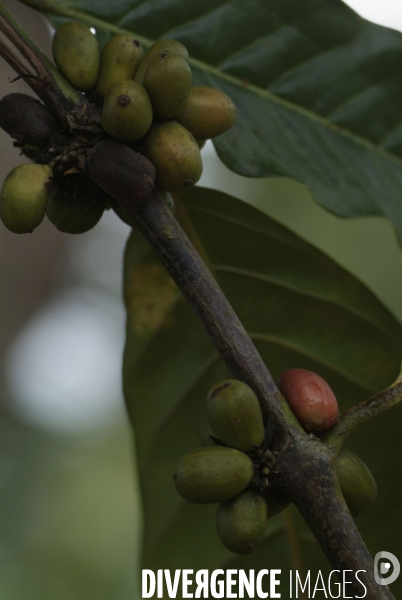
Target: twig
{"type": "Point", "coordinates": [365, 413]}
{"type": "Point", "coordinates": [13, 61]}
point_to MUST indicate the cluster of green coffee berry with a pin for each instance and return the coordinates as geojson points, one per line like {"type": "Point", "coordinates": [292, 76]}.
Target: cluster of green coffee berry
{"type": "Point", "coordinates": [231, 467]}
{"type": "Point", "coordinates": [316, 408]}
{"type": "Point", "coordinates": [147, 101]}
{"type": "Point", "coordinates": [234, 467]}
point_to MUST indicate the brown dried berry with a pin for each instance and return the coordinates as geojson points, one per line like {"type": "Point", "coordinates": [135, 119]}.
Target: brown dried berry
{"type": "Point", "coordinates": [123, 173]}
{"type": "Point", "coordinates": [26, 120]}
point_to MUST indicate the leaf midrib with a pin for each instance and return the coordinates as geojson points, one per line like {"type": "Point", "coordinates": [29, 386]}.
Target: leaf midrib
{"type": "Point", "coordinates": [59, 9]}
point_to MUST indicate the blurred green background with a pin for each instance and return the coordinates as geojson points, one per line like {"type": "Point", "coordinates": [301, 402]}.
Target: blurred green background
{"type": "Point", "coordinates": [70, 519]}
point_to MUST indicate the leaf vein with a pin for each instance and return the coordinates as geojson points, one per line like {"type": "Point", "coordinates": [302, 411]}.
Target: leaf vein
{"type": "Point", "coordinates": [317, 358]}
{"type": "Point", "coordinates": [300, 291]}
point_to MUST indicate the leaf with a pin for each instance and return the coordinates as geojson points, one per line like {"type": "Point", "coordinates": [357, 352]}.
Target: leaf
{"type": "Point", "coordinates": [300, 308]}
{"type": "Point", "coordinates": [69, 516]}
{"type": "Point", "coordinates": [317, 88]}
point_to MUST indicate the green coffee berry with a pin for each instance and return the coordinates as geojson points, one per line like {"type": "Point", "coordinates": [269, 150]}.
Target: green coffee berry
{"type": "Point", "coordinates": [235, 414]}
{"type": "Point", "coordinates": [172, 46]}
{"type": "Point", "coordinates": [76, 54]}
{"type": "Point", "coordinates": [358, 486]}
{"type": "Point", "coordinates": [119, 60]}
{"type": "Point", "coordinates": [207, 113]}
{"type": "Point", "coordinates": [75, 203]}
{"type": "Point", "coordinates": [23, 197]}
{"type": "Point", "coordinates": [175, 154]}
{"type": "Point", "coordinates": [167, 80]}
{"type": "Point", "coordinates": [161, 46]}
{"type": "Point", "coordinates": [209, 475]}
{"type": "Point", "coordinates": [241, 522]}
{"type": "Point", "coordinates": [206, 434]}
{"type": "Point", "coordinates": [127, 111]}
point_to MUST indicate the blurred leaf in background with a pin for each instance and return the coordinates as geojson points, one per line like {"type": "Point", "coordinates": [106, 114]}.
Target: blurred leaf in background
{"type": "Point", "coordinates": [301, 309]}
{"type": "Point", "coordinates": [367, 247]}
{"type": "Point", "coordinates": [70, 516]}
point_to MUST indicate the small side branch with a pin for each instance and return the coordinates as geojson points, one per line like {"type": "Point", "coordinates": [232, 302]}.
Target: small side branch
{"type": "Point", "coordinates": [364, 413]}
{"type": "Point", "coordinates": [13, 32]}
{"type": "Point", "coordinates": [40, 73]}
{"type": "Point", "coordinates": [35, 76]}
{"type": "Point", "coordinates": [14, 62]}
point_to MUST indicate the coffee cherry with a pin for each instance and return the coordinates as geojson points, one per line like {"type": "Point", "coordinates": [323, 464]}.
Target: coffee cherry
{"type": "Point", "coordinates": [167, 80]}
{"type": "Point", "coordinates": [207, 113]}
{"type": "Point", "coordinates": [241, 522]}
{"type": "Point", "coordinates": [123, 173]}
{"type": "Point", "coordinates": [26, 120]}
{"type": "Point", "coordinates": [76, 54]}
{"type": "Point", "coordinates": [119, 60]}
{"type": "Point", "coordinates": [23, 197]}
{"type": "Point", "coordinates": [127, 111]}
{"type": "Point", "coordinates": [357, 483]}
{"type": "Point", "coordinates": [175, 154]}
{"type": "Point", "coordinates": [212, 474]}
{"type": "Point", "coordinates": [161, 46]}
{"type": "Point", "coordinates": [172, 46]}
{"type": "Point", "coordinates": [235, 415]}
{"type": "Point", "coordinates": [310, 398]}
{"type": "Point", "coordinates": [206, 432]}
{"type": "Point", "coordinates": [75, 203]}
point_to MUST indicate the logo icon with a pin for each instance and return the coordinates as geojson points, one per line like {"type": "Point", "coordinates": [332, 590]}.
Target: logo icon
{"type": "Point", "coordinates": [382, 565]}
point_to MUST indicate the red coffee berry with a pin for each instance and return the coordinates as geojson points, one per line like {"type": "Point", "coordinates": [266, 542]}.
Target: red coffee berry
{"type": "Point", "coordinates": [310, 398]}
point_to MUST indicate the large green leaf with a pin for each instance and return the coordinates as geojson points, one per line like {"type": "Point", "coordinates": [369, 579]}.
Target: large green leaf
{"type": "Point", "coordinates": [317, 88]}
{"type": "Point", "coordinates": [300, 308]}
